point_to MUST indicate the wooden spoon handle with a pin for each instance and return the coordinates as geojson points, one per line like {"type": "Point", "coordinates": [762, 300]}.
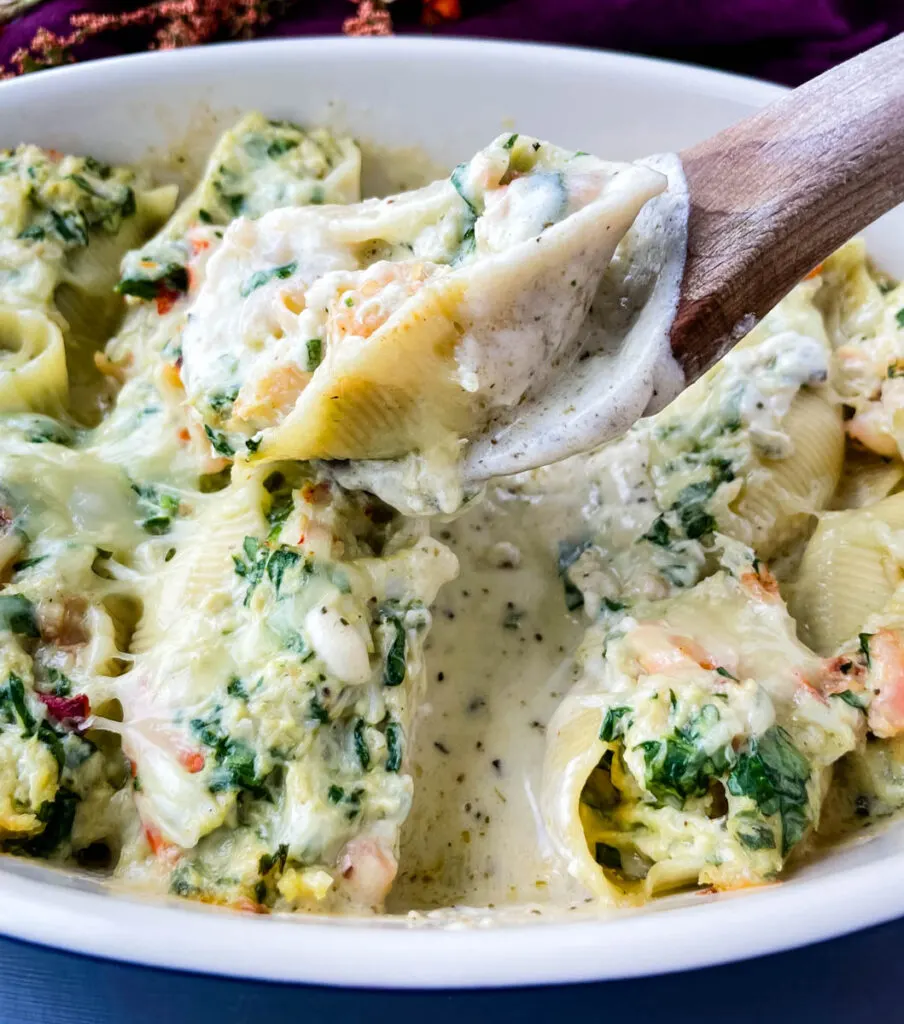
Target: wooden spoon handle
{"type": "Point", "coordinates": [774, 195]}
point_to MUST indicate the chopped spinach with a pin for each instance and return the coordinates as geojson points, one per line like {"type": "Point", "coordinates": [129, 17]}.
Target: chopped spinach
{"type": "Point", "coordinates": [774, 774]}
{"type": "Point", "coordinates": [613, 725]}
{"type": "Point", "coordinates": [159, 507]}
{"type": "Point", "coordinates": [314, 349]}
{"type": "Point", "coordinates": [14, 706]}
{"type": "Point", "coordinates": [260, 559]}
{"type": "Point", "coordinates": [60, 682]}
{"type": "Point", "coordinates": [569, 553]}
{"type": "Point", "coordinates": [394, 669]}
{"type": "Point", "coordinates": [458, 183]}
{"type": "Point", "coordinates": [754, 834]}
{"type": "Point", "coordinates": [28, 563]}
{"type": "Point", "coordinates": [153, 280]}
{"type": "Point", "coordinates": [278, 562]}
{"type": "Point", "coordinates": [236, 688]}
{"type": "Point", "coordinates": [393, 747]}
{"type": "Point", "coordinates": [281, 505]}
{"type": "Point", "coordinates": [17, 615]}
{"type": "Point", "coordinates": [53, 740]}
{"type": "Point", "coordinates": [235, 760]}
{"type": "Point", "coordinates": [269, 861]}
{"type": "Point", "coordinates": [678, 767]}
{"type": "Point", "coordinates": [864, 648]}
{"type": "Point", "coordinates": [58, 816]}
{"type": "Point", "coordinates": [222, 401]}
{"type": "Point", "coordinates": [659, 533]}
{"type": "Point", "coordinates": [262, 277]}
{"type": "Point", "coordinates": [318, 712]}
{"type": "Point", "coordinates": [362, 751]}
{"type": "Point", "coordinates": [854, 699]}
{"type": "Point", "coordinates": [608, 856]}
{"type": "Point", "coordinates": [219, 442]}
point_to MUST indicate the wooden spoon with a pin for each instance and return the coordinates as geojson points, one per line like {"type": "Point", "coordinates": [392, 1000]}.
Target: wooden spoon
{"type": "Point", "coordinates": [773, 196]}
{"type": "Point", "coordinates": [769, 199]}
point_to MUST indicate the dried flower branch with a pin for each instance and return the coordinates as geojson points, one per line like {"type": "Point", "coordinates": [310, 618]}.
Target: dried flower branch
{"type": "Point", "coordinates": [371, 19]}
{"type": "Point", "coordinates": [178, 23]}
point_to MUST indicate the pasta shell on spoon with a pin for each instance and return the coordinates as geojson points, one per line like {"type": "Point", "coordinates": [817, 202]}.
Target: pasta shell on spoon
{"type": "Point", "coordinates": [392, 326]}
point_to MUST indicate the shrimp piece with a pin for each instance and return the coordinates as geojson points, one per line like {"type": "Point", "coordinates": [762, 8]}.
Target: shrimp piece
{"type": "Point", "coordinates": [661, 653]}
{"type": "Point", "coordinates": [268, 399]}
{"type": "Point", "coordinates": [842, 673]}
{"type": "Point", "coordinates": [64, 622]}
{"type": "Point", "coordinates": [761, 584]}
{"type": "Point", "coordinates": [870, 428]}
{"type": "Point", "coordinates": [369, 868]}
{"type": "Point", "coordinates": [805, 685]}
{"type": "Point", "coordinates": [384, 287]}
{"type": "Point", "coordinates": [886, 680]}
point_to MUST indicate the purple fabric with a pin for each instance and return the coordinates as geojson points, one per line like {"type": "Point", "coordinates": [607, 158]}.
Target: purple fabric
{"type": "Point", "coordinates": [784, 40]}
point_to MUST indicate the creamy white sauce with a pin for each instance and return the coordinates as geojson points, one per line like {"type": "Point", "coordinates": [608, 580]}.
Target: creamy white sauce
{"type": "Point", "coordinates": [623, 366]}
{"type": "Point", "coordinates": [498, 658]}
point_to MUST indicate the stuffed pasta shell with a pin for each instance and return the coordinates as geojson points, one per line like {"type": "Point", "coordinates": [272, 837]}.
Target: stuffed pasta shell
{"type": "Point", "coordinates": [65, 222]}
{"type": "Point", "coordinates": [397, 325]}
{"type": "Point", "coordinates": [863, 312]}
{"type": "Point", "coordinates": [751, 451]}
{"type": "Point", "coordinates": [268, 708]}
{"type": "Point", "coordinates": [697, 744]}
{"type": "Point", "coordinates": [257, 166]}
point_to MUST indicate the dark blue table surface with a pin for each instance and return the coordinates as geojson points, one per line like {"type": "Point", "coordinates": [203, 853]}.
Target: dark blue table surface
{"type": "Point", "coordinates": [850, 979]}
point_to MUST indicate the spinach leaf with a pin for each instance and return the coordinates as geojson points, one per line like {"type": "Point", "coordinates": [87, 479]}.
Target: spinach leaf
{"type": "Point", "coordinates": [14, 705]}
{"type": "Point", "coordinates": [58, 816]}
{"type": "Point", "coordinates": [608, 856]}
{"type": "Point", "coordinates": [613, 726]}
{"type": "Point", "coordinates": [235, 760]}
{"type": "Point", "coordinates": [281, 505]}
{"type": "Point", "coordinates": [458, 183]}
{"type": "Point", "coordinates": [659, 533]}
{"type": "Point", "coordinates": [219, 442]}
{"type": "Point", "coordinates": [314, 348]}
{"type": "Point", "coordinates": [754, 834]}
{"type": "Point", "coordinates": [279, 561]}
{"type": "Point", "coordinates": [678, 767]}
{"type": "Point", "coordinates": [154, 281]}
{"type": "Point", "coordinates": [849, 697]}
{"type": "Point", "coordinates": [260, 559]}
{"type": "Point", "coordinates": [362, 750]}
{"type": "Point", "coordinates": [774, 774]}
{"type": "Point", "coordinates": [569, 553]}
{"type": "Point", "coordinates": [262, 277]}
{"type": "Point", "coordinates": [393, 747]}
{"type": "Point", "coordinates": [394, 669]}
{"type": "Point", "coordinates": [17, 615]}
{"type": "Point", "coordinates": [864, 648]}
{"type": "Point", "coordinates": [159, 507]}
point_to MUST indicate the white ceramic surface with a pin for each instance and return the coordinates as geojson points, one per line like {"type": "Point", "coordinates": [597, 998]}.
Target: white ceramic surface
{"type": "Point", "coordinates": [449, 99]}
